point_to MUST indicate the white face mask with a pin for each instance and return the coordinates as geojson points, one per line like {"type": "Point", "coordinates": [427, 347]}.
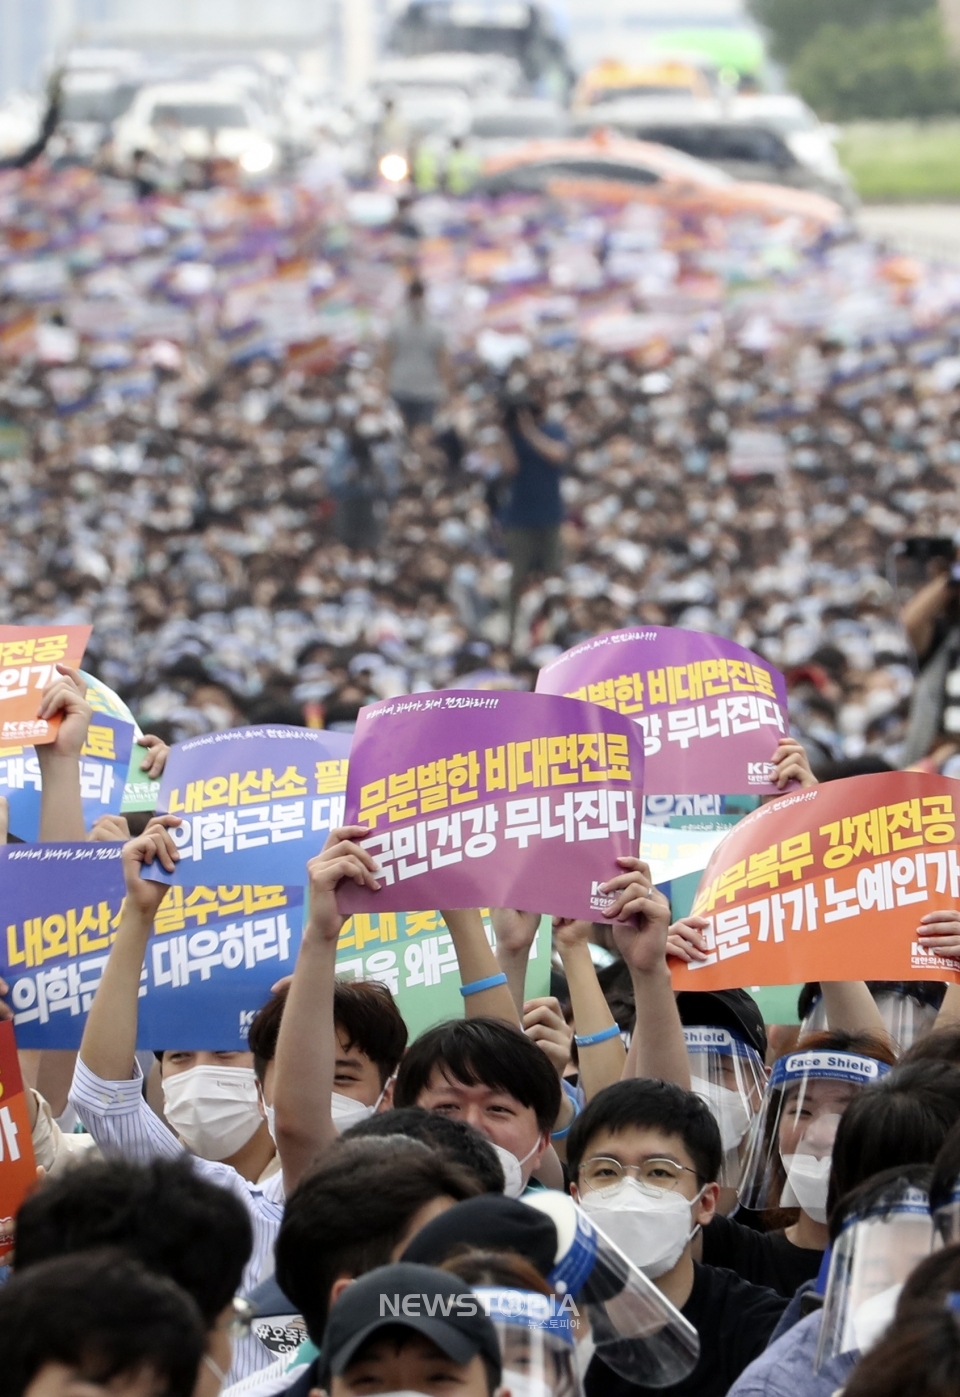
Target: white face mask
{"type": "Point", "coordinates": [808, 1179]}
{"type": "Point", "coordinates": [213, 1109]}
{"type": "Point", "coordinates": [346, 1111]}
{"type": "Point", "coordinates": [650, 1225]}
{"type": "Point", "coordinates": [513, 1169]}
{"type": "Point", "coordinates": [870, 1320]}
{"type": "Point", "coordinates": [524, 1384]}
{"type": "Point", "coordinates": [728, 1109]}
{"type": "Point", "coordinates": [271, 1122]}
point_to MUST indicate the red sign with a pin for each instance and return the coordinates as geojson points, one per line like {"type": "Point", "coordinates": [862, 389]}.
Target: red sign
{"type": "Point", "coordinates": [18, 1171]}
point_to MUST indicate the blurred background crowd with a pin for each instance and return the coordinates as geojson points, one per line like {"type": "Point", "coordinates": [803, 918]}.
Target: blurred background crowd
{"type": "Point", "coordinates": [281, 363]}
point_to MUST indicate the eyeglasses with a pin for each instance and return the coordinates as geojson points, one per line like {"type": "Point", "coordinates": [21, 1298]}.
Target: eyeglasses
{"type": "Point", "coordinates": [603, 1172]}
{"type": "Point", "coordinates": [241, 1318]}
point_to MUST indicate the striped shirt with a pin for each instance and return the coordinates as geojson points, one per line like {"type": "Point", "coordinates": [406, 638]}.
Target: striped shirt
{"type": "Point", "coordinates": [124, 1126]}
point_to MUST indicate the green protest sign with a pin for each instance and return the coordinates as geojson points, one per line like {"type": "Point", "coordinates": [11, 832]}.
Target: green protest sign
{"type": "Point", "coordinates": [412, 953]}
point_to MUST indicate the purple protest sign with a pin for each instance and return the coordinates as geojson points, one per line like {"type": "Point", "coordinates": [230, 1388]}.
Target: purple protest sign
{"type": "Point", "coordinates": [712, 713]}
{"type": "Point", "coordinates": [493, 800]}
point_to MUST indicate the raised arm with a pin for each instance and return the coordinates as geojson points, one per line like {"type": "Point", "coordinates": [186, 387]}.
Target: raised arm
{"type": "Point", "coordinates": [514, 932]}
{"type": "Point", "coordinates": [920, 614]}
{"type": "Point", "coordinates": [478, 965]}
{"type": "Point", "coordinates": [110, 1036]}
{"type": "Point", "coordinates": [851, 1008]}
{"type": "Point", "coordinates": [61, 809]}
{"type": "Point", "coordinates": [641, 918]}
{"type": "Point", "coordinates": [600, 1051]}
{"type": "Point", "coordinates": [307, 1042]}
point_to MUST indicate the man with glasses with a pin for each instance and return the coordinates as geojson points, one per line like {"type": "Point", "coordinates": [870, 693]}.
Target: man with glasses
{"type": "Point", "coordinates": [644, 1157]}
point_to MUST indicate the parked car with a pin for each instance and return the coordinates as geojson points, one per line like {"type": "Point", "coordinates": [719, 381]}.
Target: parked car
{"type": "Point", "coordinates": [640, 169]}
{"type": "Point", "coordinates": [175, 123]}
{"type": "Point", "coordinates": [613, 80]}
{"type": "Point", "coordinates": [733, 135]}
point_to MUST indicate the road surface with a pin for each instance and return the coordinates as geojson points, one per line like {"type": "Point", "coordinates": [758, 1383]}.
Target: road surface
{"type": "Point", "coordinates": [924, 230]}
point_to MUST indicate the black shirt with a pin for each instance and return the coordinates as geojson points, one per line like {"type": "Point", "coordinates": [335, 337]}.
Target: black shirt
{"type": "Point", "coordinates": [734, 1321]}
{"type": "Point", "coordinates": [762, 1258]}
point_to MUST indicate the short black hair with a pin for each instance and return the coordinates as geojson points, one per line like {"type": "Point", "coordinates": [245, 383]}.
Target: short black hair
{"type": "Point", "coordinates": [933, 1279]}
{"type": "Point", "coordinates": [902, 1119]}
{"type": "Point", "coordinates": [367, 1013]}
{"type": "Point", "coordinates": [878, 1193]}
{"type": "Point", "coordinates": [104, 1315]}
{"type": "Point", "coordinates": [163, 1214]}
{"type": "Point", "coordinates": [645, 1103]}
{"type": "Point", "coordinates": [364, 1010]}
{"type": "Point", "coordinates": [487, 1051]}
{"type": "Point", "coordinates": [349, 1215]}
{"type": "Point", "coordinates": [917, 1357]}
{"type": "Point", "coordinates": [456, 1138]}
{"type": "Point", "coordinates": [940, 1045]}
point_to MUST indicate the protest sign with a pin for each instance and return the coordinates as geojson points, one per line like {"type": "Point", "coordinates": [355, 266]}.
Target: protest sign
{"type": "Point", "coordinates": [104, 761]}
{"type": "Point", "coordinates": [140, 791]}
{"type": "Point", "coordinates": [255, 803]}
{"type": "Point", "coordinates": [666, 810]}
{"type": "Point", "coordinates": [705, 705]}
{"type": "Point", "coordinates": [211, 959]}
{"type": "Point", "coordinates": [509, 799]}
{"type": "Point", "coordinates": [18, 1170]}
{"type": "Point", "coordinates": [413, 955]}
{"type": "Point", "coordinates": [29, 656]}
{"type": "Point", "coordinates": [830, 884]}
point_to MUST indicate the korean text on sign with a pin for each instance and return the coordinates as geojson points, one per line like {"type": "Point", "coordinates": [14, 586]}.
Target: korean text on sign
{"type": "Point", "coordinates": [29, 656]}
{"type": "Point", "coordinates": [840, 893]}
{"type": "Point", "coordinates": [698, 699]}
{"type": "Point", "coordinates": [541, 764]}
{"type": "Point", "coordinates": [465, 796]}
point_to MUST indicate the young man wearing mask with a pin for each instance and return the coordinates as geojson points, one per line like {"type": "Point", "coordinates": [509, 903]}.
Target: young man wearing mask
{"type": "Point", "coordinates": [482, 1070]}
{"type": "Point", "coordinates": [210, 1099]}
{"type": "Point", "coordinates": [644, 1158]}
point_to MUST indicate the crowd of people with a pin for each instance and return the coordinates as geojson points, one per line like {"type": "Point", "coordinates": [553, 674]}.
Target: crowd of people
{"type": "Point", "coordinates": [614, 1188]}
{"type": "Point", "coordinates": [293, 450]}
{"type": "Point", "coordinates": [203, 455]}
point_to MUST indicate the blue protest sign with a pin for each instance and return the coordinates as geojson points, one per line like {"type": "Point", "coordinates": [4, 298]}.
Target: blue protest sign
{"type": "Point", "coordinates": [103, 773]}
{"type": "Point", "coordinates": [211, 959]}
{"type": "Point", "coordinates": [255, 803]}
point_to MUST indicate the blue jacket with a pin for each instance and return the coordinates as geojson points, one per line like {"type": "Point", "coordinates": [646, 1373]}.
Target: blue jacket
{"type": "Point", "coordinates": [785, 1369]}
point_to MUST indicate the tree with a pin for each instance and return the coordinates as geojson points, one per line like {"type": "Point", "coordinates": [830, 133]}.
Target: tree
{"type": "Point", "coordinates": [792, 24]}
{"type": "Point", "coordinates": [902, 68]}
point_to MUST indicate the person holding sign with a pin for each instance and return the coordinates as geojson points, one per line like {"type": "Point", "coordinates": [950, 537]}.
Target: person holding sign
{"type": "Point", "coordinates": [210, 1099]}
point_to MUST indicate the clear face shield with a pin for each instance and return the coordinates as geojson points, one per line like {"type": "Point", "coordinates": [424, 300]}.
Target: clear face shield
{"type": "Point", "coordinates": [622, 1318]}
{"type": "Point", "coordinates": [870, 1261]}
{"type": "Point", "coordinates": [946, 1219]}
{"type": "Point", "coordinates": [729, 1076]}
{"type": "Point", "coordinates": [791, 1144]}
{"type": "Point", "coordinates": [905, 1018]}
{"type": "Point", "coordinates": [538, 1341]}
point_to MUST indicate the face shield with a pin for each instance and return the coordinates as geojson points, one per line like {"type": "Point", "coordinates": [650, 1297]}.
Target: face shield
{"type": "Point", "coordinates": [622, 1318]}
{"type": "Point", "coordinates": [904, 1017]}
{"type": "Point", "coordinates": [946, 1219]}
{"type": "Point", "coordinates": [729, 1076]}
{"type": "Point", "coordinates": [538, 1341]}
{"type": "Point", "coordinates": [870, 1261]}
{"type": "Point", "coordinates": [788, 1158]}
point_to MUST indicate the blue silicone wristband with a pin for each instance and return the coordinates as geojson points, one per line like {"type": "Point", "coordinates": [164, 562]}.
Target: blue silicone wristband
{"type": "Point", "coordinates": [588, 1039]}
{"type": "Point", "coordinates": [477, 986]}
{"type": "Point", "coordinates": [562, 1134]}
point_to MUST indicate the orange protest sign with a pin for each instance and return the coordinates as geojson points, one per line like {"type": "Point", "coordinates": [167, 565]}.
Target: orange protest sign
{"type": "Point", "coordinates": [29, 656]}
{"type": "Point", "coordinates": [830, 884]}
{"type": "Point", "coordinates": [18, 1171]}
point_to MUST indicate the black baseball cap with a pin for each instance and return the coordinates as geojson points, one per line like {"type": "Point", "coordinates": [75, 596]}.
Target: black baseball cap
{"type": "Point", "coordinates": [433, 1303]}
{"type": "Point", "coordinates": [734, 1010]}
{"type": "Point", "coordinates": [491, 1223]}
